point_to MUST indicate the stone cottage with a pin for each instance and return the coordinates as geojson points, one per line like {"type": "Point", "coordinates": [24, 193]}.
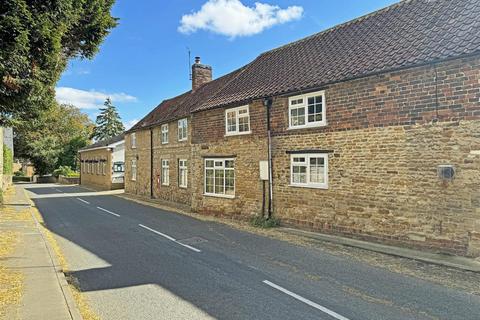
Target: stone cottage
{"type": "Point", "coordinates": [369, 129]}
{"type": "Point", "coordinates": [102, 164]}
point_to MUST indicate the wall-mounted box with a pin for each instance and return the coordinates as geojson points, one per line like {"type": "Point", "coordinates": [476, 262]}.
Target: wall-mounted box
{"type": "Point", "coordinates": [263, 170]}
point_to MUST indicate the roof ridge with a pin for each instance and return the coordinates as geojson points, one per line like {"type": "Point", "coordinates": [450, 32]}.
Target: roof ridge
{"type": "Point", "coordinates": [341, 25]}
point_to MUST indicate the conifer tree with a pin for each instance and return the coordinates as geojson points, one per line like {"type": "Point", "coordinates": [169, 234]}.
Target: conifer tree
{"type": "Point", "coordinates": [108, 123]}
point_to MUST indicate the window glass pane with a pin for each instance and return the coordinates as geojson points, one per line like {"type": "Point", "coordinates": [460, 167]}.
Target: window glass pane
{"type": "Point", "coordinates": [299, 174]}
{"type": "Point", "coordinates": [231, 122]}
{"type": "Point", "coordinates": [209, 163]}
{"type": "Point", "coordinates": [229, 163]}
{"type": "Point", "coordinates": [219, 181]}
{"type": "Point", "coordinates": [209, 181]}
{"type": "Point", "coordinates": [218, 163]}
{"type": "Point", "coordinates": [243, 125]}
{"type": "Point", "coordinates": [229, 182]}
{"type": "Point", "coordinates": [315, 109]}
{"type": "Point", "coordinates": [317, 170]}
{"type": "Point", "coordinates": [297, 116]}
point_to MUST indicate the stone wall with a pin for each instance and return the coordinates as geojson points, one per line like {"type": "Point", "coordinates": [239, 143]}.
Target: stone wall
{"type": "Point", "coordinates": [96, 179]}
{"type": "Point", "coordinates": [173, 151]}
{"type": "Point", "coordinates": [247, 150]}
{"type": "Point", "coordinates": [387, 134]}
{"type": "Point", "coordinates": [383, 185]}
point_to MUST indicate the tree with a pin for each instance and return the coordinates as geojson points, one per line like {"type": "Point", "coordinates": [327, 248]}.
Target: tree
{"type": "Point", "coordinates": [54, 138]}
{"type": "Point", "coordinates": [108, 124]}
{"type": "Point", "coordinates": [37, 38]}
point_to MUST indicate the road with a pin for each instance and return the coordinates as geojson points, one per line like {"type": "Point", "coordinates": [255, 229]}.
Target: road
{"type": "Point", "coordinates": [138, 262]}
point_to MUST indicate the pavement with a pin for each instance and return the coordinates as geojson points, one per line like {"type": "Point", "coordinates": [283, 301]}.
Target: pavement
{"type": "Point", "coordinates": [134, 261]}
{"type": "Point", "coordinates": [45, 291]}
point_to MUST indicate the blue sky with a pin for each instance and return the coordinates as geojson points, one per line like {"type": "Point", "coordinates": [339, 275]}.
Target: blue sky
{"type": "Point", "coordinates": [144, 60]}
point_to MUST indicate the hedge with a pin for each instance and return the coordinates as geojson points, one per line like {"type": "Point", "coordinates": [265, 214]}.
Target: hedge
{"type": "Point", "coordinates": [7, 160]}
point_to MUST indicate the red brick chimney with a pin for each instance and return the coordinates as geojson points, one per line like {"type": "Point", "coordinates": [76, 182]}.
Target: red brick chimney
{"type": "Point", "coordinates": [201, 73]}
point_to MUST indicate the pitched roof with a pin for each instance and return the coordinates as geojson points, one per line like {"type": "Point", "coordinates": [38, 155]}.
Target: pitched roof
{"type": "Point", "coordinates": [104, 143]}
{"type": "Point", "coordinates": [405, 34]}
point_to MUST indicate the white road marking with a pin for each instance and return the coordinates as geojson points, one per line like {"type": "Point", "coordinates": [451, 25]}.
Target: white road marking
{"type": "Point", "coordinates": [189, 247]}
{"type": "Point", "coordinates": [169, 238]}
{"type": "Point", "coordinates": [107, 211]}
{"type": "Point", "coordinates": [58, 190]}
{"type": "Point", "coordinates": [83, 201]}
{"type": "Point", "coordinates": [304, 300]}
{"type": "Point", "coordinates": [158, 232]}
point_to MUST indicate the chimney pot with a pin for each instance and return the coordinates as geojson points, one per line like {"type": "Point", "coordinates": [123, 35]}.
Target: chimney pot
{"type": "Point", "coordinates": [197, 59]}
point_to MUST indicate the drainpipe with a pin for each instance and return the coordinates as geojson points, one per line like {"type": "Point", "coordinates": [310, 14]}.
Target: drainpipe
{"type": "Point", "coordinates": [151, 163]}
{"type": "Point", "coordinates": [267, 102]}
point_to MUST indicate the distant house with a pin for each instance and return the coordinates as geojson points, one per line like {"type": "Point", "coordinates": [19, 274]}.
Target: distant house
{"type": "Point", "coordinates": [369, 129]}
{"type": "Point", "coordinates": [102, 164]}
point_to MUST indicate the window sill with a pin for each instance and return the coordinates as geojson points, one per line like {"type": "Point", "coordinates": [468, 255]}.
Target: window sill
{"type": "Point", "coordinates": [309, 186]}
{"type": "Point", "coordinates": [166, 184]}
{"type": "Point", "coordinates": [133, 179]}
{"type": "Point", "coordinates": [164, 143]}
{"type": "Point", "coordinates": [183, 140]}
{"type": "Point", "coordinates": [225, 196]}
{"type": "Point", "coordinates": [183, 187]}
{"type": "Point", "coordinates": [133, 147]}
{"type": "Point", "coordinates": [308, 126]}
{"type": "Point", "coordinates": [237, 134]}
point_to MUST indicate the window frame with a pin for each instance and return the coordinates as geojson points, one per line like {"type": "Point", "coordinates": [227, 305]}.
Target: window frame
{"type": "Point", "coordinates": [179, 131]}
{"type": "Point", "coordinates": [219, 195]}
{"type": "Point", "coordinates": [104, 166]}
{"type": "Point", "coordinates": [308, 183]}
{"type": "Point", "coordinates": [162, 132]}
{"type": "Point", "coordinates": [133, 140]}
{"type": "Point", "coordinates": [182, 168]}
{"type": "Point", "coordinates": [304, 106]}
{"type": "Point", "coordinates": [133, 164]}
{"type": "Point", "coordinates": [165, 178]}
{"type": "Point", "coordinates": [237, 124]}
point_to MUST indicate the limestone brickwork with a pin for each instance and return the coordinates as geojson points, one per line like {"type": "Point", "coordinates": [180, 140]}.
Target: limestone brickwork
{"type": "Point", "coordinates": [248, 150]}
{"type": "Point", "coordinates": [386, 135]}
{"type": "Point", "coordinates": [173, 151]}
{"type": "Point", "coordinates": [96, 178]}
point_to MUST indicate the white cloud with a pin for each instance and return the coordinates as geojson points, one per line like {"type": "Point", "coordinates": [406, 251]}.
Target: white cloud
{"type": "Point", "coordinates": [130, 123]}
{"type": "Point", "coordinates": [89, 99]}
{"type": "Point", "coordinates": [232, 18]}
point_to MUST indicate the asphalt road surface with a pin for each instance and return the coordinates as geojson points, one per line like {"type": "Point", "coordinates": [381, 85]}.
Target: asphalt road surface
{"type": "Point", "coordinates": [138, 262]}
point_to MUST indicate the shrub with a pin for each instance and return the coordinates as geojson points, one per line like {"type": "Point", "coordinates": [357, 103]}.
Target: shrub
{"type": "Point", "coordinates": [65, 171]}
{"type": "Point", "coordinates": [263, 222]}
{"type": "Point", "coordinates": [7, 160]}
{"type": "Point", "coordinates": [19, 173]}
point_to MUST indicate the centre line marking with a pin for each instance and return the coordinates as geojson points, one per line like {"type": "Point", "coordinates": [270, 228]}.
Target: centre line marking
{"type": "Point", "coordinates": [169, 238]}
{"type": "Point", "coordinates": [304, 300]}
{"type": "Point", "coordinates": [83, 201]}
{"type": "Point", "coordinates": [107, 211]}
